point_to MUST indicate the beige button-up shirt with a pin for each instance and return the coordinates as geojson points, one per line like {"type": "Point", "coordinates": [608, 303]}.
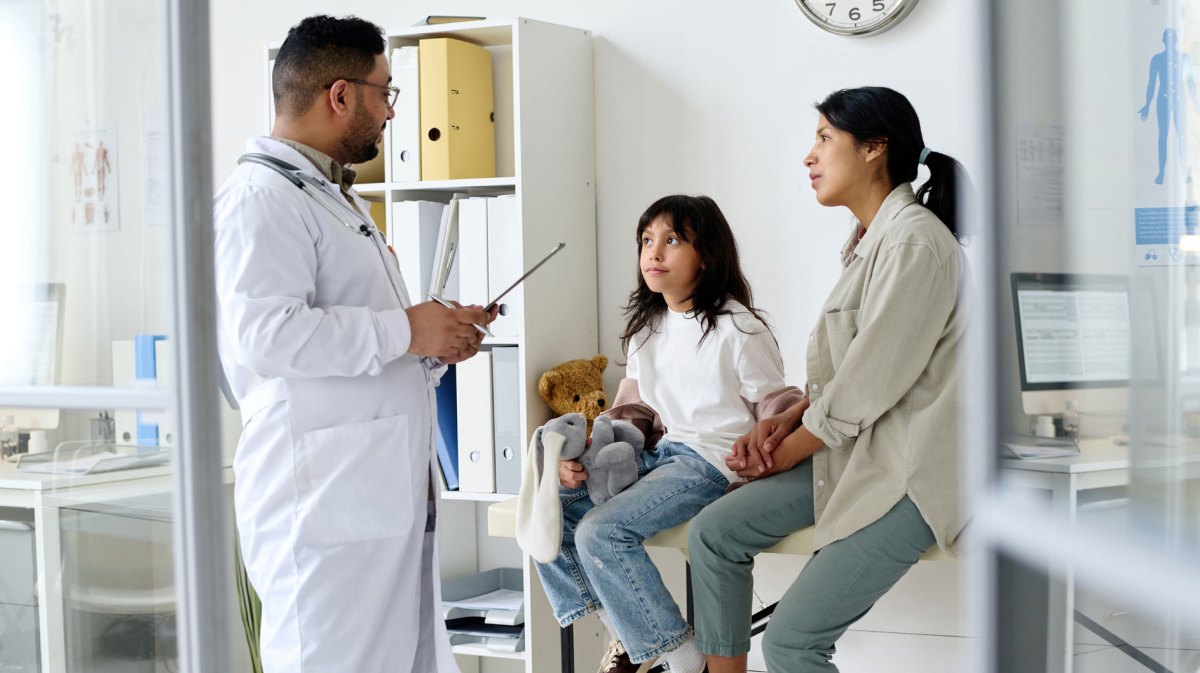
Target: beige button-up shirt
{"type": "Point", "coordinates": [883, 376]}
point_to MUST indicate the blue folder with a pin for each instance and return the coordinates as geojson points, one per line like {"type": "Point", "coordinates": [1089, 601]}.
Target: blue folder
{"type": "Point", "coordinates": [447, 440]}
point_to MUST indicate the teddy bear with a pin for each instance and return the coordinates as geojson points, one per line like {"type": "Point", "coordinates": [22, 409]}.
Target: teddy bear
{"type": "Point", "coordinates": [609, 456]}
{"type": "Point", "coordinates": [576, 386]}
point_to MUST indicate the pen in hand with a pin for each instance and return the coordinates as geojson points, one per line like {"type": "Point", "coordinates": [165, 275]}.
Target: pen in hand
{"type": "Point", "coordinates": [480, 328]}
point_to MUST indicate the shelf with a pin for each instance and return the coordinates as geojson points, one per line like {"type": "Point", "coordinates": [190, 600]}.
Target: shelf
{"type": "Point", "coordinates": [491, 32]}
{"type": "Point", "coordinates": [371, 189]}
{"type": "Point", "coordinates": [86, 397]}
{"type": "Point", "coordinates": [477, 497]}
{"type": "Point", "coordinates": [481, 651]}
{"type": "Point", "coordinates": [469, 185]}
{"type": "Point", "coordinates": [543, 87]}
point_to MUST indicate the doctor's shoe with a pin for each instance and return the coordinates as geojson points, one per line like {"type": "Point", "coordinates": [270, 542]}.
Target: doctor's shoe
{"type": "Point", "coordinates": [616, 660]}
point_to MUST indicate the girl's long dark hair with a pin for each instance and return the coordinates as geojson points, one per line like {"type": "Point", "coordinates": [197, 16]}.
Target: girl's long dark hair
{"type": "Point", "coordinates": [697, 220]}
{"type": "Point", "coordinates": [880, 114]}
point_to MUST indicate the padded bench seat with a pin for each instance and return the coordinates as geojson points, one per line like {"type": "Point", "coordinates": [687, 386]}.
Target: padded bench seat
{"type": "Point", "coordinates": [502, 522]}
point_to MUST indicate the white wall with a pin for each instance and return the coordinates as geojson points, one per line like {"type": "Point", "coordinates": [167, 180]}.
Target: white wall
{"type": "Point", "coordinates": [710, 97]}
{"type": "Point", "coordinates": [697, 97]}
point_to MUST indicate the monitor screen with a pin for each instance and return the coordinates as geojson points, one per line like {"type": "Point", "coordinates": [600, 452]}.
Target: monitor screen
{"type": "Point", "coordinates": [1074, 342]}
{"type": "Point", "coordinates": [38, 310]}
{"type": "Point", "coordinates": [1073, 331]}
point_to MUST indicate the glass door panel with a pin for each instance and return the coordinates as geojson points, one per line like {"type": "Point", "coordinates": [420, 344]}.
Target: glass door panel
{"type": "Point", "coordinates": [98, 486]}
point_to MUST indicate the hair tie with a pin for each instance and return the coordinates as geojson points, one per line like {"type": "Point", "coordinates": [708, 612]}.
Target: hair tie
{"type": "Point", "coordinates": [924, 155]}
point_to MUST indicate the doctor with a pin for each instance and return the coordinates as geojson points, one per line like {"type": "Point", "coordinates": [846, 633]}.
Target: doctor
{"type": "Point", "coordinates": [334, 369]}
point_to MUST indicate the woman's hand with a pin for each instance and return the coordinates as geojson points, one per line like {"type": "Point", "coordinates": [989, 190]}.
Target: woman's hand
{"type": "Point", "coordinates": [785, 457]}
{"type": "Point", "coordinates": [753, 450]}
{"type": "Point", "coordinates": [793, 450]}
{"type": "Point", "coordinates": [571, 474]}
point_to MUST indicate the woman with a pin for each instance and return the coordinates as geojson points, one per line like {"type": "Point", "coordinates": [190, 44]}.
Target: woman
{"type": "Point", "coordinates": [871, 455]}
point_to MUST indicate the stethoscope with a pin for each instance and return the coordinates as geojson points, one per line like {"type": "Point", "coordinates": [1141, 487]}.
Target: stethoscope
{"type": "Point", "coordinates": [312, 186]}
{"type": "Point", "coordinates": [318, 192]}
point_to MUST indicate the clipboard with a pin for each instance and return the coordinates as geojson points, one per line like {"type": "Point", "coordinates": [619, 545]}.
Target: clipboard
{"type": "Point", "coordinates": [525, 275]}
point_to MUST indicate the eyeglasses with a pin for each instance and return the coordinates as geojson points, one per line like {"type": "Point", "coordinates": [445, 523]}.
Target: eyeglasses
{"type": "Point", "coordinates": [393, 91]}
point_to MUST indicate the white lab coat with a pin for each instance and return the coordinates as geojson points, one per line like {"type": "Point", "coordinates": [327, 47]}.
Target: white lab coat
{"type": "Point", "coordinates": [337, 451]}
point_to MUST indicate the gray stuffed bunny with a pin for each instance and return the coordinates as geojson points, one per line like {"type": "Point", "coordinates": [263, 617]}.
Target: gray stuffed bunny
{"type": "Point", "coordinates": [609, 456]}
{"type": "Point", "coordinates": [573, 427]}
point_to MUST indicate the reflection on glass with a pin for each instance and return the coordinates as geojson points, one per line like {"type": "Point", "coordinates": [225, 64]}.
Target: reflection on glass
{"type": "Point", "coordinates": [18, 600]}
{"type": "Point", "coordinates": [85, 301]}
{"type": "Point", "coordinates": [118, 588]}
{"type": "Point", "coordinates": [83, 213]}
{"type": "Point", "coordinates": [1097, 143]}
{"type": "Point", "coordinates": [1115, 635]}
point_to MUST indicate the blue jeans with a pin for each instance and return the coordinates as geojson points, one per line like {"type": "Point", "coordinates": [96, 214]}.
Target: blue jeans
{"type": "Point", "coordinates": [603, 562]}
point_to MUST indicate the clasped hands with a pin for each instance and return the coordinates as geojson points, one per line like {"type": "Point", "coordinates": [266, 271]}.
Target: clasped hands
{"type": "Point", "coordinates": [448, 334]}
{"type": "Point", "coordinates": [775, 444]}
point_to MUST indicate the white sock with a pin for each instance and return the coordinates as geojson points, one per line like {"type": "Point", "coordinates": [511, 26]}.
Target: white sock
{"type": "Point", "coordinates": [685, 658]}
{"type": "Point", "coordinates": [603, 615]}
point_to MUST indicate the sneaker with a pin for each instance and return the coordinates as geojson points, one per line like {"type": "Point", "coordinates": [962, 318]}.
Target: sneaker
{"type": "Point", "coordinates": [664, 668]}
{"type": "Point", "coordinates": [616, 660]}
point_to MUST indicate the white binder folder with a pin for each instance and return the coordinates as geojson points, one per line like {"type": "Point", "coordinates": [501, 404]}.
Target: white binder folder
{"type": "Point", "coordinates": [444, 279]}
{"type": "Point", "coordinates": [164, 357]}
{"type": "Point", "coordinates": [476, 455]}
{"type": "Point", "coordinates": [473, 251]}
{"type": "Point", "coordinates": [406, 125]}
{"type": "Point", "coordinates": [506, 417]}
{"type": "Point", "coordinates": [505, 264]}
{"type": "Point", "coordinates": [413, 235]}
{"type": "Point", "coordinates": [124, 420]}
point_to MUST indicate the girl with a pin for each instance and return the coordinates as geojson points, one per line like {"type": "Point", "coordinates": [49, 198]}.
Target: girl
{"type": "Point", "coordinates": [700, 362]}
{"type": "Point", "coordinates": [871, 456]}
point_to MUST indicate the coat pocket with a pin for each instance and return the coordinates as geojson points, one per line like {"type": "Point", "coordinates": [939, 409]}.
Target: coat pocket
{"type": "Point", "coordinates": [841, 328]}
{"type": "Point", "coordinates": [355, 482]}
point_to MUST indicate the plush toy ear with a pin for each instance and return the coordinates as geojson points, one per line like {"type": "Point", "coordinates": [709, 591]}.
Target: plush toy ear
{"type": "Point", "coordinates": [538, 448]}
{"type": "Point", "coordinates": [547, 383]}
{"type": "Point", "coordinates": [600, 362]}
{"type": "Point", "coordinates": [624, 431]}
{"type": "Point", "coordinates": [602, 432]}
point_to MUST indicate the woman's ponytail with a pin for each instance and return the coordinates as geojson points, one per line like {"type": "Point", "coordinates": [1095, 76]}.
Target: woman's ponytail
{"type": "Point", "coordinates": [940, 192]}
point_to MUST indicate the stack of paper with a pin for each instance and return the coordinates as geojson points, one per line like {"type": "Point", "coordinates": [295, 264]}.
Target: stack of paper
{"type": "Point", "coordinates": [1026, 446]}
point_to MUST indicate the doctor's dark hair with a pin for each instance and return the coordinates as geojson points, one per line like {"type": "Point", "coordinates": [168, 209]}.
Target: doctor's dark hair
{"type": "Point", "coordinates": [319, 50]}
{"type": "Point", "coordinates": [697, 220]}
{"type": "Point", "coordinates": [880, 114]}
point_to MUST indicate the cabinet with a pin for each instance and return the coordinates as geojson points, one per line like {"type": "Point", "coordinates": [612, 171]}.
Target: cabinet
{"type": "Point", "coordinates": [543, 105]}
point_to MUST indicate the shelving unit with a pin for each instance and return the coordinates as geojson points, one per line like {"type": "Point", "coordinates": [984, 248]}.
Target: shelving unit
{"type": "Point", "coordinates": [543, 106]}
{"type": "Point", "coordinates": [475, 497]}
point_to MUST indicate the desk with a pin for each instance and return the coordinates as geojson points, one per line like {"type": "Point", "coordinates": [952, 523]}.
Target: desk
{"type": "Point", "coordinates": [45, 495]}
{"type": "Point", "coordinates": [1100, 464]}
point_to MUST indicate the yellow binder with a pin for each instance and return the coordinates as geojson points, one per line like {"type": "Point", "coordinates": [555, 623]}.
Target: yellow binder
{"type": "Point", "coordinates": [458, 133]}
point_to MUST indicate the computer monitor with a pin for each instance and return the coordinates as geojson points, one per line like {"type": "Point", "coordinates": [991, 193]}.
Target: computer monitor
{"type": "Point", "coordinates": [1073, 341]}
{"type": "Point", "coordinates": [38, 341]}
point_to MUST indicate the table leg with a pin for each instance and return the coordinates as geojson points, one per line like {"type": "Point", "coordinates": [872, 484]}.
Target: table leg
{"type": "Point", "coordinates": [1060, 624]}
{"type": "Point", "coordinates": [51, 627]}
{"type": "Point", "coordinates": [566, 643]}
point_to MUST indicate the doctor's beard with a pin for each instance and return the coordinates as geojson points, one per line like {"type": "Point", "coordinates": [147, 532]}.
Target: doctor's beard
{"type": "Point", "coordinates": [361, 140]}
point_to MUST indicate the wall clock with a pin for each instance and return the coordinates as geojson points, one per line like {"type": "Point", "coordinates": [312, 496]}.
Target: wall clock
{"type": "Point", "coordinates": [856, 17]}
